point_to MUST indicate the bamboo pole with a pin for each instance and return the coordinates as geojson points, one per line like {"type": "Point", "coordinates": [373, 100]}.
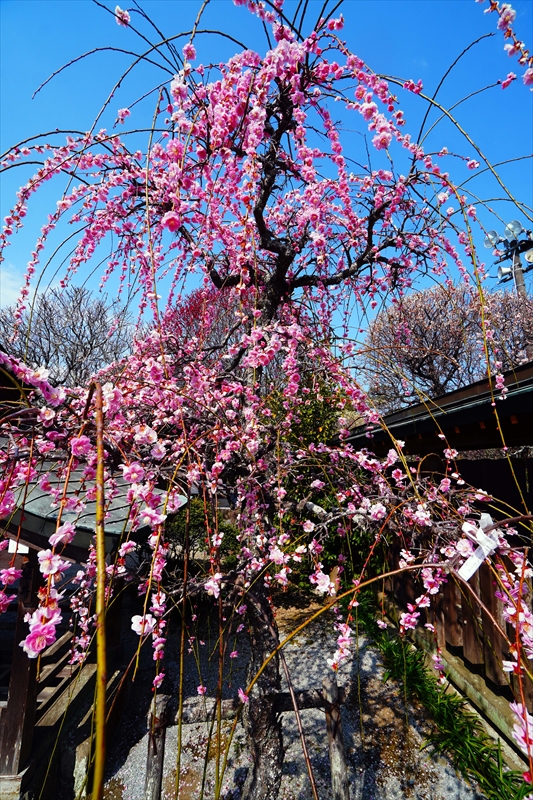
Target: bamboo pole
{"type": "Point", "coordinates": [101, 653]}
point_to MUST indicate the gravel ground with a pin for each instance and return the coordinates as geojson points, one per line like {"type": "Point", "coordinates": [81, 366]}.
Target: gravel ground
{"type": "Point", "coordinates": [385, 761]}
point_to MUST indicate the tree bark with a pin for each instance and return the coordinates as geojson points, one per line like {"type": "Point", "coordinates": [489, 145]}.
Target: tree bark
{"type": "Point", "coordinates": [261, 719]}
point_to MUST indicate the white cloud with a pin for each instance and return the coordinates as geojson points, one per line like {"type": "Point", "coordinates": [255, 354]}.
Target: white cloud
{"type": "Point", "coordinates": [11, 281]}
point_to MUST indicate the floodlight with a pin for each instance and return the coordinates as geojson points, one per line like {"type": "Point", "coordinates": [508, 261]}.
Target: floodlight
{"type": "Point", "coordinates": [504, 273]}
{"type": "Point", "coordinates": [491, 239]}
{"type": "Point", "coordinates": [512, 230]}
{"type": "Point", "coordinates": [529, 256]}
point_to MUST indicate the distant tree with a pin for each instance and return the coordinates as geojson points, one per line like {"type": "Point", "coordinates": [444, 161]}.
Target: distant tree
{"type": "Point", "coordinates": [70, 332]}
{"type": "Point", "coordinates": [432, 342]}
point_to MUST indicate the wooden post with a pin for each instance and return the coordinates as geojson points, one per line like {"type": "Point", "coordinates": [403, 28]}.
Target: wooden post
{"type": "Point", "coordinates": [451, 600]}
{"type": "Point", "coordinates": [16, 730]}
{"type": "Point", "coordinates": [157, 731]}
{"type": "Point", "coordinates": [339, 776]}
{"type": "Point", "coordinates": [493, 641]}
{"type": "Point", "coordinates": [472, 631]}
{"type": "Point", "coordinates": [436, 616]}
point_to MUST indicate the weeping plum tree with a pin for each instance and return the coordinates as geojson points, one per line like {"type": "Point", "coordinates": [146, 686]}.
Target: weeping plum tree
{"type": "Point", "coordinates": [245, 182]}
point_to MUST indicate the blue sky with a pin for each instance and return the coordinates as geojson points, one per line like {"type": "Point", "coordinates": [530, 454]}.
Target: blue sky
{"type": "Point", "coordinates": [405, 38]}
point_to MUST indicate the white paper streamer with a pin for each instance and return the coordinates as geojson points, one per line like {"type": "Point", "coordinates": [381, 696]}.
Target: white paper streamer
{"type": "Point", "coordinates": [487, 544]}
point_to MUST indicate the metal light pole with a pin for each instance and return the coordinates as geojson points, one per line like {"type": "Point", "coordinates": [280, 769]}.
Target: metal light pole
{"type": "Point", "coordinates": [518, 274]}
{"type": "Point", "coordinates": [513, 247]}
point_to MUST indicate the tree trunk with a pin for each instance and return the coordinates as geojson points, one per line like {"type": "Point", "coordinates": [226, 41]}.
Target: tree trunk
{"type": "Point", "coordinates": [261, 721]}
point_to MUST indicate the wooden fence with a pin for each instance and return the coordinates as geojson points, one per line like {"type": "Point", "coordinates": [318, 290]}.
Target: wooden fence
{"type": "Point", "coordinates": [469, 625]}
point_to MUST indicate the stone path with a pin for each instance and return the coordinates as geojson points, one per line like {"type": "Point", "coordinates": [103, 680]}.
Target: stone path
{"type": "Point", "coordinates": [382, 741]}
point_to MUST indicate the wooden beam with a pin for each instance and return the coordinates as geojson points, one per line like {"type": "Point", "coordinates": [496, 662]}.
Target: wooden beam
{"type": "Point", "coordinates": [200, 710]}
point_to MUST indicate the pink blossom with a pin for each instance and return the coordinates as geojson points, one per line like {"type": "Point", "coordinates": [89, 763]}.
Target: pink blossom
{"type": "Point", "coordinates": [377, 511]}
{"type": "Point", "coordinates": [450, 453]}
{"type": "Point", "coordinates": [528, 77]}
{"type": "Point", "coordinates": [7, 504]}
{"type": "Point", "coordinates": [158, 603]}
{"type": "Point", "coordinates": [126, 547]}
{"type": "Point", "coordinates": [201, 689]}
{"type": "Point", "coordinates": [322, 583]}
{"type": "Point", "coordinates": [464, 548]}
{"type": "Point", "coordinates": [47, 415]}
{"type": "Point", "coordinates": [409, 621]}
{"type": "Point", "coordinates": [189, 52]}
{"type": "Point", "coordinates": [80, 445]}
{"type": "Point", "coordinates": [51, 564]}
{"type": "Point", "coordinates": [512, 48]}
{"type": "Point", "coordinates": [431, 581]}
{"type": "Point", "coordinates": [40, 637]}
{"type": "Point", "coordinates": [308, 526]}
{"type": "Point", "coordinates": [122, 17]}
{"type": "Point", "coordinates": [122, 114]}
{"type": "Point", "coordinates": [382, 140]}
{"type": "Point", "coordinates": [171, 220]}
{"type": "Point", "coordinates": [243, 697]}
{"type": "Point", "coordinates": [63, 535]}
{"type": "Point", "coordinates": [234, 654]}
{"type": "Point", "coordinates": [523, 727]}
{"type": "Point", "coordinates": [158, 451]}
{"type": "Point", "coordinates": [149, 516]}
{"type": "Point", "coordinates": [438, 663]}
{"type": "Point", "coordinates": [512, 666]}
{"type": "Point", "coordinates": [212, 586]}
{"type": "Point", "coordinates": [133, 473]}
{"type": "Point", "coordinates": [144, 434]}
{"type": "Point", "coordinates": [507, 16]}
{"type": "Point", "coordinates": [5, 600]}
{"type": "Point", "coordinates": [10, 575]}
{"type": "Point", "coordinates": [143, 625]}
{"type": "Point", "coordinates": [423, 601]}
{"type": "Point", "coordinates": [509, 79]}
{"type": "Point", "coordinates": [158, 680]}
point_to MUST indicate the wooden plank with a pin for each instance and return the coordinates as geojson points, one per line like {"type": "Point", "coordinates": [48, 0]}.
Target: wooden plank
{"type": "Point", "coordinates": [339, 775]}
{"type": "Point", "coordinates": [16, 725]}
{"type": "Point", "coordinates": [451, 613]}
{"type": "Point", "coordinates": [494, 646]}
{"type": "Point", "coordinates": [472, 623]}
{"type": "Point", "coordinates": [70, 698]}
{"type": "Point", "coordinates": [436, 617]}
{"type": "Point", "coordinates": [51, 652]}
{"type": "Point", "coordinates": [51, 671]}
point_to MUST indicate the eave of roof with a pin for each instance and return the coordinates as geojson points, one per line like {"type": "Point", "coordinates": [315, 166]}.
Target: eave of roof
{"type": "Point", "coordinates": [467, 417]}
